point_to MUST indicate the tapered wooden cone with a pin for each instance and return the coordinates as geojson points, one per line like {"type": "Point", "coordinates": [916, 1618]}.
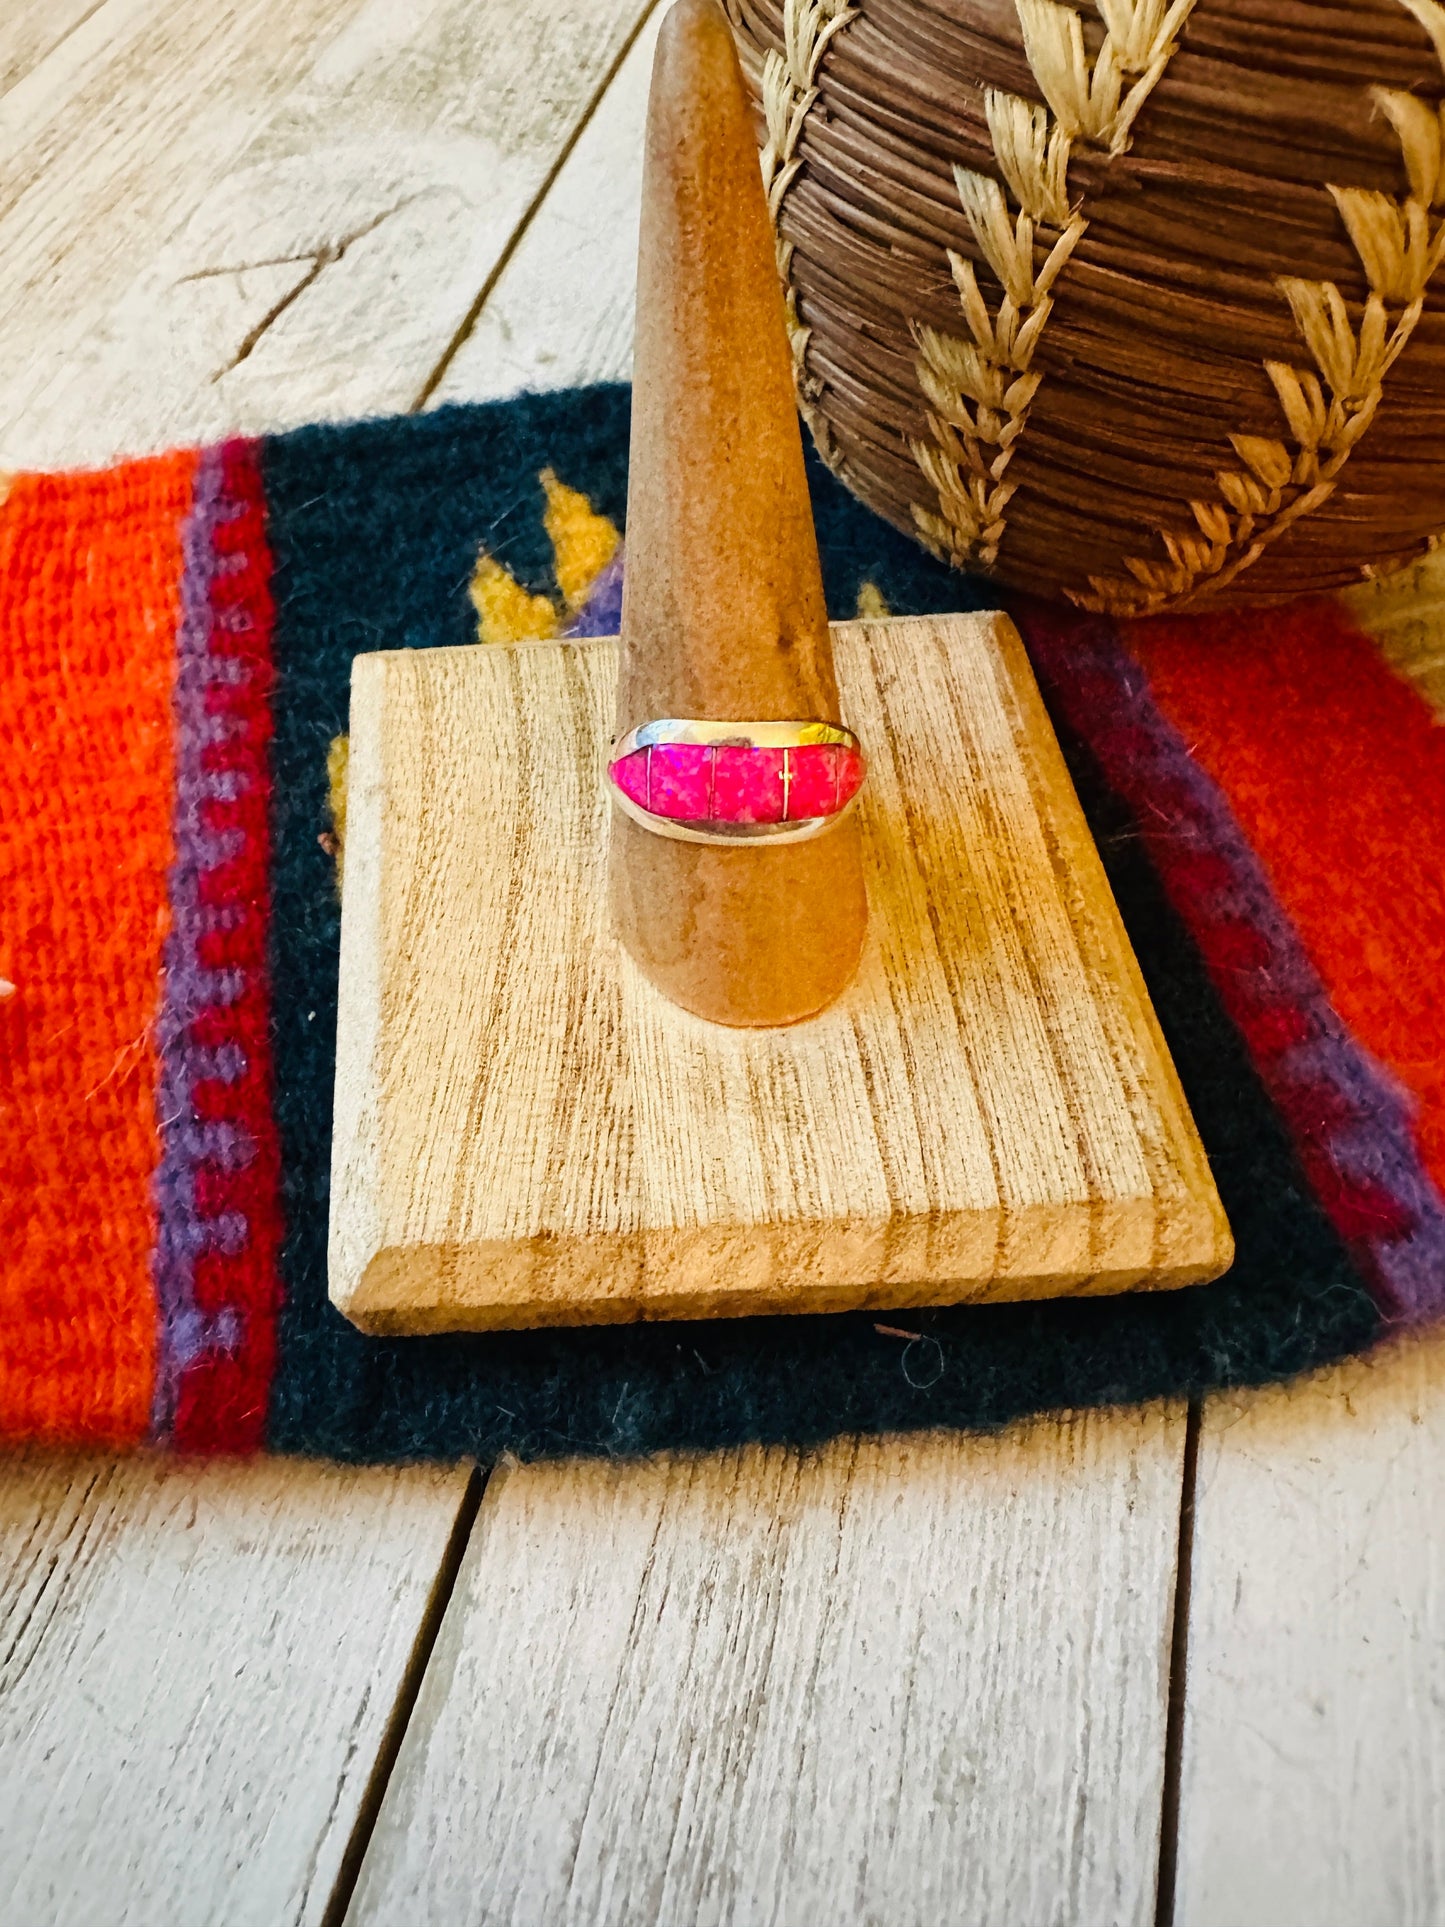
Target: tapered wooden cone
{"type": "Point", "coordinates": [723, 615]}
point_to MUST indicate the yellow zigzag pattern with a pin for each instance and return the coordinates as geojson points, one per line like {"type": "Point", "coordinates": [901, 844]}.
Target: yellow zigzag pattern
{"type": "Point", "coordinates": [583, 543]}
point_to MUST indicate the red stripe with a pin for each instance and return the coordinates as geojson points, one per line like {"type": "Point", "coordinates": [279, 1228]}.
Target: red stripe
{"type": "Point", "coordinates": [222, 1398]}
{"type": "Point", "coordinates": [1335, 770]}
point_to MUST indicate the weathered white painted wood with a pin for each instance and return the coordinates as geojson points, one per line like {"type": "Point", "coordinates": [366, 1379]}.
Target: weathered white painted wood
{"type": "Point", "coordinates": [906, 1681]}
{"type": "Point", "coordinates": [561, 312]}
{"type": "Point", "coordinates": [1313, 1782]}
{"type": "Point", "coordinates": [106, 147]}
{"type": "Point", "coordinates": [197, 1666]}
{"type": "Point", "coordinates": [31, 30]}
{"type": "Point", "coordinates": [242, 221]}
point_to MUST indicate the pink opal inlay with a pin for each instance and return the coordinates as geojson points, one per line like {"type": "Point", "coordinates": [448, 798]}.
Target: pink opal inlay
{"type": "Point", "coordinates": [813, 780]}
{"type": "Point", "coordinates": [629, 773]}
{"type": "Point", "coordinates": [748, 785]}
{"type": "Point", "coordinates": [680, 781]}
{"type": "Point", "coordinates": [739, 783]}
{"type": "Point", "coordinates": [851, 771]}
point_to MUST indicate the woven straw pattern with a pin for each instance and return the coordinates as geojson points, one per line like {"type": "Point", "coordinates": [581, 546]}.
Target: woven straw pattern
{"type": "Point", "coordinates": [1135, 301]}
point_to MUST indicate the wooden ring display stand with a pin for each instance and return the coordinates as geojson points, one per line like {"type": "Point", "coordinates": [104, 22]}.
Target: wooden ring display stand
{"type": "Point", "coordinates": [533, 1124]}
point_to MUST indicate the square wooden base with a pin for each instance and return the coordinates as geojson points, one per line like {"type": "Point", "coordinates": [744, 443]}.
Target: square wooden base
{"type": "Point", "coordinates": [528, 1134]}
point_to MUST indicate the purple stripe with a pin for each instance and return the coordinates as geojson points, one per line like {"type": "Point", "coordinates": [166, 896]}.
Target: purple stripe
{"type": "Point", "coordinates": [1349, 1117]}
{"type": "Point", "coordinates": [189, 1143]}
{"type": "Point", "coordinates": [601, 612]}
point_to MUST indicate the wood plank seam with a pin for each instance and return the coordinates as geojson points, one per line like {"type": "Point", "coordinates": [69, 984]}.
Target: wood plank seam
{"type": "Point", "coordinates": [408, 1687]}
{"type": "Point", "coordinates": [1313, 1760]}
{"type": "Point", "coordinates": [148, 150]}
{"type": "Point", "coordinates": [801, 1689]}
{"type": "Point", "coordinates": [38, 57]}
{"type": "Point", "coordinates": [200, 1662]}
{"type": "Point", "coordinates": [1178, 1672]}
{"type": "Point", "coordinates": [1319, 1464]}
{"type": "Point", "coordinates": [499, 266]}
{"type": "Point", "coordinates": [532, 333]}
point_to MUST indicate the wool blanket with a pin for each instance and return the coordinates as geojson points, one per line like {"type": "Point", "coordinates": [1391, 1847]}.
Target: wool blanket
{"type": "Point", "coordinates": [176, 636]}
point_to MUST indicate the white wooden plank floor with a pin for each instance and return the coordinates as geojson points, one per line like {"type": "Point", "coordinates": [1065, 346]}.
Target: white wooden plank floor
{"type": "Point", "coordinates": [198, 1669]}
{"type": "Point", "coordinates": [925, 1680]}
{"type": "Point", "coordinates": [1313, 1785]}
{"type": "Point", "coordinates": [801, 1691]}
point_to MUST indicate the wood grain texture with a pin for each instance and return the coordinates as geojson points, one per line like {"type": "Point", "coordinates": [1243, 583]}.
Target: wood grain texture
{"type": "Point", "coordinates": [32, 30]}
{"type": "Point", "coordinates": [242, 222]}
{"type": "Point", "coordinates": [198, 1664]}
{"type": "Point", "coordinates": [527, 1133]}
{"type": "Point", "coordinates": [534, 331]}
{"type": "Point", "coordinates": [908, 1682]}
{"type": "Point", "coordinates": [165, 99]}
{"type": "Point", "coordinates": [1314, 1739]}
{"type": "Point", "coordinates": [197, 1667]}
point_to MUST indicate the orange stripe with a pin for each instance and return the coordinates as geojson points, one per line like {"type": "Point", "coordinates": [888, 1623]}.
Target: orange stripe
{"type": "Point", "coordinates": [89, 602]}
{"type": "Point", "coordinates": [1335, 770]}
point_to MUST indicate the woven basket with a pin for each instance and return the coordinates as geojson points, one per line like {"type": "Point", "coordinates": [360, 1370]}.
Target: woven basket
{"type": "Point", "coordinates": [1134, 302]}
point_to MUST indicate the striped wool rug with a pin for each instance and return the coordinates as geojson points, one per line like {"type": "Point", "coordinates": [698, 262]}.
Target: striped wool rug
{"type": "Point", "coordinates": [176, 636]}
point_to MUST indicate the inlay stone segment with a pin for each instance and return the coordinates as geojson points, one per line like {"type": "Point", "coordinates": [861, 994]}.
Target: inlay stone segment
{"type": "Point", "coordinates": [726, 783]}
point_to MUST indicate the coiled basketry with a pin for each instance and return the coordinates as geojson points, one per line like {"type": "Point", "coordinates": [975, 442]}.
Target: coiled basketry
{"type": "Point", "coordinates": [1133, 301]}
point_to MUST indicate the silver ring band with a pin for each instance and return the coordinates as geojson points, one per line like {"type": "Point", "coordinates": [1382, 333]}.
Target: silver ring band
{"type": "Point", "coordinates": [729, 783]}
{"type": "Point", "coordinates": [730, 735]}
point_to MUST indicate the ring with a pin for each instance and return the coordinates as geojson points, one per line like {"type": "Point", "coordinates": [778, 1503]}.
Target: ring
{"type": "Point", "coordinates": [707, 782]}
